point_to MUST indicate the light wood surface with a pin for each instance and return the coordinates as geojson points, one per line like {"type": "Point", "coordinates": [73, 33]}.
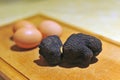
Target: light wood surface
{"type": "Point", "coordinates": [20, 64]}
{"type": "Point", "coordinates": [7, 72]}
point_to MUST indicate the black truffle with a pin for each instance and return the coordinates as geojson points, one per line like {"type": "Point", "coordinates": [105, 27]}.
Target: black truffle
{"type": "Point", "coordinates": [81, 48]}
{"type": "Point", "coordinates": [78, 49]}
{"type": "Point", "coordinates": [50, 49]}
{"type": "Point", "coordinates": [91, 42]}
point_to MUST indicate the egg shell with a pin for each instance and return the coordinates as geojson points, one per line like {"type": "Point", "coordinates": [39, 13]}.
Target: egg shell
{"type": "Point", "coordinates": [49, 27]}
{"type": "Point", "coordinates": [27, 37]}
{"type": "Point", "coordinates": [22, 24]}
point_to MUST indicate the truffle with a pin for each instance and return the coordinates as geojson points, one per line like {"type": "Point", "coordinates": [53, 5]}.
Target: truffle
{"type": "Point", "coordinates": [91, 42]}
{"type": "Point", "coordinates": [50, 49]}
{"type": "Point", "coordinates": [78, 49]}
{"type": "Point", "coordinates": [81, 48]}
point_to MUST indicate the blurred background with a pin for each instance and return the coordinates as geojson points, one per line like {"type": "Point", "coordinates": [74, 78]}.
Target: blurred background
{"type": "Point", "coordinates": [99, 16]}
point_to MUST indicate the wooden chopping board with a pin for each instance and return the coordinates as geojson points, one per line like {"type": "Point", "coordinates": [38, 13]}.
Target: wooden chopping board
{"type": "Point", "coordinates": [18, 64]}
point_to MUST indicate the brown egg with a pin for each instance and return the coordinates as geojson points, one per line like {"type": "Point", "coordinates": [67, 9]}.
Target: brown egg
{"type": "Point", "coordinates": [27, 37]}
{"type": "Point", "coordinates": [22, 24]}
{"type": "Point", "coordinates": [49, 27]}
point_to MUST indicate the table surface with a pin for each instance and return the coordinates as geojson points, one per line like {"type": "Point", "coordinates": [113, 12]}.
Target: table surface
{"type": "Point", "coordinates": [22, 64]}
{"type": "Point", "coordinates": [99, 16]}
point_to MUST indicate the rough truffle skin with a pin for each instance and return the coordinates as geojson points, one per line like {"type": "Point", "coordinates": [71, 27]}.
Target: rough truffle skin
{"type": "Point", "coordinates": [80, 48]}
{"type": "Point", "coordinates": [91, 42]}
{"type": "Point", "coordinates": [50, 49]}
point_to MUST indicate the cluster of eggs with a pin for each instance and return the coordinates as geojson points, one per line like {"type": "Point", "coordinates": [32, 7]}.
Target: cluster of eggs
{"type": "Point", "coordinates": [27, 35]}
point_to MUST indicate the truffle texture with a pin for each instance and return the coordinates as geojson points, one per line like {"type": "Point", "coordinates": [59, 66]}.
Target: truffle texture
{"type": "Point", "coordinates": [50, 49]}
{"type": "Point", "coordinates": [92, 43]}
{"type": "Point", "coordinates": [80, 48]}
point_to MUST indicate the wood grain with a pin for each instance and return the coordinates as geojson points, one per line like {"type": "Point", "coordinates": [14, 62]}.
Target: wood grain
{"type": "Point", "coordinates": [7, 72]}
{"type": "Point", "coordinates": [32, 66]}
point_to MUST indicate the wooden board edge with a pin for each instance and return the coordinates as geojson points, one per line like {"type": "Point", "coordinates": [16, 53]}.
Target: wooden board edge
{"type": "Point", "coordinates": [104, 38]}
{"type": "Point", "coordinates": [3, 76]}
{"type": "Point", "coordinates": [8, 72]}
